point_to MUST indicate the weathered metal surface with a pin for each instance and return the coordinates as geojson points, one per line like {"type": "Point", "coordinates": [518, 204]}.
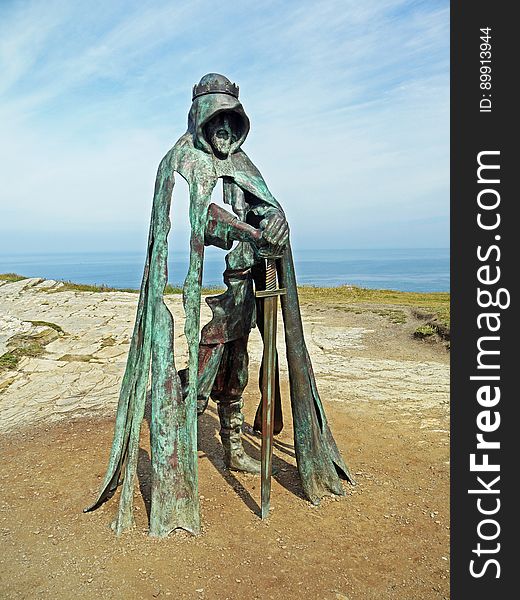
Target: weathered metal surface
{"type": "Point", "coordinates": [270, 304]}
{"type": "Point", "coordinates": [268, 293]}
{"type": "Point", "coordinates": [209, 150]}
{"type": "Point", "coordinates": [320, 464]}
{"type": "Point", "coordinates": [268, 383]}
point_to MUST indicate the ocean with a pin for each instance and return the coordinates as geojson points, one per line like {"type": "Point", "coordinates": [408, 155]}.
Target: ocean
{"type": "Point", "coordinates": [415, 269]}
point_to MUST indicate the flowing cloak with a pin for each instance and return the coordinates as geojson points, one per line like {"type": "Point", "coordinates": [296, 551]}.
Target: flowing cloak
{"type": "Point", "coordinates": [173, 426]}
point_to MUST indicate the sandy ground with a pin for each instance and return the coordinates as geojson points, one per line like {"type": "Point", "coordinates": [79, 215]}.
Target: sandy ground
{"type": "Point", "coordinates": [386, 398]}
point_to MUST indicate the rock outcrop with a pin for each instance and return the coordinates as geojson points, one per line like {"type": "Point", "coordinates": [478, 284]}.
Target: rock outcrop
{"type": "Point", "coordinates": [76, 345]}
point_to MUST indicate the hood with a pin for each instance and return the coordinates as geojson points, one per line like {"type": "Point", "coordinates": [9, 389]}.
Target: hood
{"type": "Point", "coordinates": [205, 107]}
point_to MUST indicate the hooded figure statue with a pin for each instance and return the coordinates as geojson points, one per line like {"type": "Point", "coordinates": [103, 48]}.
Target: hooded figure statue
{"type": "Point", "coordinates": [218, 362]}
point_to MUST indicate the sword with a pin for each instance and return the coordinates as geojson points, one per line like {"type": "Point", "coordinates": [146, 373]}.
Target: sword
{"type": "Point", "coordinates": [270, 296]}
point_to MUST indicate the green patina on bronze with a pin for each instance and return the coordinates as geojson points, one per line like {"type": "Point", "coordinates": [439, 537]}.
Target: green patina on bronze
{"type": "Point", "coordinates": [173, 431]}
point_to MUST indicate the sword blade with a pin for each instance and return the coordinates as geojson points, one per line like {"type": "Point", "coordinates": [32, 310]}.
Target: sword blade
{"type": "Point", "coordinates": [268, 389]}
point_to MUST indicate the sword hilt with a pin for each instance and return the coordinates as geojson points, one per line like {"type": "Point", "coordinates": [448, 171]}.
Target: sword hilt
{"type": "Point", "coordinates": [270, 281]}
{"type": "Point", "coordinates": [270, 274]}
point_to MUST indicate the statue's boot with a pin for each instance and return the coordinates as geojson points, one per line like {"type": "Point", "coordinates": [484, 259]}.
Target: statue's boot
{"type": "Point", "coordinates": [231, 420]}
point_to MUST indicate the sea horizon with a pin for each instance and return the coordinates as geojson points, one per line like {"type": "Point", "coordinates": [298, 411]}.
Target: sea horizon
{"type": "Point", "coordinates": [403, 269]}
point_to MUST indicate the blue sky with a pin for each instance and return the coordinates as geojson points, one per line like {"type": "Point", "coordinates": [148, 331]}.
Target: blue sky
{"type": "Point", "coordinates": [348, 100]}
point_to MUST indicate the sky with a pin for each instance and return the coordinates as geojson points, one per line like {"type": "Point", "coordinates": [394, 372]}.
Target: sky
{"type": "Point", "coordinates": [348, 102]}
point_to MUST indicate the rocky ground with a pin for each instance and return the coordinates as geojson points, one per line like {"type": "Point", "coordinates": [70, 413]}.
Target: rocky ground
{"type": "Point", "coordinates": [62, 355]}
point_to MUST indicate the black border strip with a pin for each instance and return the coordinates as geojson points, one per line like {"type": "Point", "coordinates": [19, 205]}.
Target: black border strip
{"type": "Point", "coordinates": [472, 132]}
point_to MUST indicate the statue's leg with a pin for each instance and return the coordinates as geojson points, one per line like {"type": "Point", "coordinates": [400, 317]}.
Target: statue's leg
{"type": "Point", "coordinates": [227, 391]}
{"type": "Point", "coordinates": [210, 356]}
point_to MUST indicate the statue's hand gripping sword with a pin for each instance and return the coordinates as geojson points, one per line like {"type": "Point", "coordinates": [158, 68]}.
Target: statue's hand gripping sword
{"type": "Point", "coordinates": [270, 296]}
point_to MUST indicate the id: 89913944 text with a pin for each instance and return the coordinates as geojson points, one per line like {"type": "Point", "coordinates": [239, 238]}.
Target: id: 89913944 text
{"type": "Point", "coordinates": [485, 70]}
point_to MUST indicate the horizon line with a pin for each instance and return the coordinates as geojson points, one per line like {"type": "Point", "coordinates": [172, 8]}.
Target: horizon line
{"type": "Point", "coordinates": [111, 251]}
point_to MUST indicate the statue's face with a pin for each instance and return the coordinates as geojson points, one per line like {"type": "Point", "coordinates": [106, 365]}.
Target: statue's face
{"type": "Point", "coordinates": [219, 134]}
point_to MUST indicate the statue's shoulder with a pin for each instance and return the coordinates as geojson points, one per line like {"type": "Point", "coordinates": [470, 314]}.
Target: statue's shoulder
{"type": "Point", "coordinates": [249, 178]}
{"type": "Point", "coordinates": [182, 151]}
{"type": "Point", "coordinates": [186, 159]}
{"type": "Point", "coordinates": [244, 164]}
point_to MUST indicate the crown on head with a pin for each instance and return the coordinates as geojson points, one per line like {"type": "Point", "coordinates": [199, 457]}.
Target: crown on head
{"type": "Point", "coordinates": [215, 86]}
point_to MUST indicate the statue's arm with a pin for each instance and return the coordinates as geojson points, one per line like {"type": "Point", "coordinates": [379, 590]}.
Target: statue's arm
{"type": "Point", "coordinates": [223, 228]}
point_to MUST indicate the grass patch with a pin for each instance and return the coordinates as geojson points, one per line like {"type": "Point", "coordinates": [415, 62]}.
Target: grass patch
{"type": "Point", "coordinates": [438, 321]}
{"type": "Point", "coordinates": [30, 347]}
{"type": "Point", "coordinates": [393, 315]}
{"type": "Point", "coordinates": [108, 341]}
{"type": "Point", "coordinates": [437, 315]}
{"type": "Point", "coordinates": [69, 286]}
{"type": "Point", "coordinates": [172, 289]}
{"type": "Point", "coordinates": [424, 331]}
{"type": "Point", "coordinates": [353, 294]}
{"type": "Point", "coordinates": [11, 277]}
{"type": "Point", "coordinates": [48, 324]}
{"type": "Point", "coordinates": [435, 305]}
{"type": "Point", "coordinates": [6, 383]}
{"type": "Point", "coordinates": [9, 360]}
{"type": "Point", "coordinates": [77, 357]}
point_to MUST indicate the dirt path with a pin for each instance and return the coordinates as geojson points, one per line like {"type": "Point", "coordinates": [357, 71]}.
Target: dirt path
{"type": "Point", "coordinates": [386, 398]}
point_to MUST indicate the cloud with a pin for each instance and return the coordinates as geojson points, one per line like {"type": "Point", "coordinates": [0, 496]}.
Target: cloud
{"type": "Point", "coordinates": [348, 101]}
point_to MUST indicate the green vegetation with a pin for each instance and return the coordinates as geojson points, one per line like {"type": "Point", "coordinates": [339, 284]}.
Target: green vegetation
{"type": "Point", "coordinates": [108, 341]}
{"type": "Point", "coordinates": [424, 331]}
{"type": "Point", "coordinates": [10, 359]}
{"type": "Point", "coordinates": [76, 357]}
{"type": "Point", "coordinates": [170, 289]}
{"type": "Point", "coordinates": [353, 294]}
{"type": "Point", "coordinates": [11, 277]}
{"type": "Point", "coordinates": [28, 344]}
{"type": "Point", "coordinates": [48, 324]}
{"type": "Point", "coordinates": [432, 305]}
{"type": "Point", "coordinates": [69, 286]}
{"type": "Point", "coordinates": [393, 315]}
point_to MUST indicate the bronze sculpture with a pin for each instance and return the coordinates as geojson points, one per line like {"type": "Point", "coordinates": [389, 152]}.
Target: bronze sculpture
{"type": "Point", "coordinates": [218, 362]}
